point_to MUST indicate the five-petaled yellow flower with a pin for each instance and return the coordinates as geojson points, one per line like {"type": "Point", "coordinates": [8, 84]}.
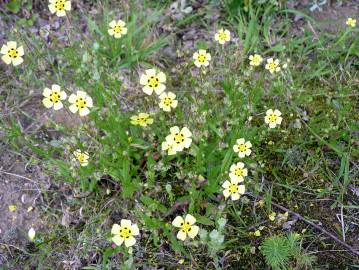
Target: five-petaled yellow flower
{"type": "Point", "coordinates": [255, 60]}
{"type": "Point", "coordinates": [272, 65]}
{"type": "Point", "coordinates": [351, 22]}
{"type": "Point", "coordinates": [201, 58]}
{"type": "Point", "coordinates": [237, 171]}
{"type": "Point", "coordinates": [233, 189]}
{"type": "Point", "coordinates": [81, 102]}
{"type": "Point", "coordinates": [153, 81]}
{"type": "Point", "coordinates": [222, 36]}
{"type": "Point", "coordinates": [81, 157]}
{"type": "Point", "coordinates": [242, 147]}
{"type": "Point", "coordinates": [117, 28]}
{"type": "Point", "coordinates": [59, 7]}
{"type": "Point", "coordinates": [186, 226]}
{"type": "Point", "coordinates": [179, 139]}
{"type": "Point", "coordinates": [168, 101]}
{"type": "Point", "coordinates": [53, 97]}
{"type": "Point", "coordinates": [125, 233]}
{"type": "Point", "coordinates": [273, 118]}
{"type": "Point", "coordinates": [12, 53]}
{"type": "Point", "coordinates": [142, 119]}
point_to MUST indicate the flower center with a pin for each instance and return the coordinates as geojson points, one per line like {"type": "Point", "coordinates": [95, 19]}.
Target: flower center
{"type": "Point", "coordinates": [242, 147]}
{"type": "Point", "coordinates": [60, 5]}
{"type": "Point", "coordinates": [186, 227]}
{"type": "Point", "coordinates": [168, 101]}
{"type": "Point", "coordinates": [54, 97]}
{"type": "Point", "coordinates": [153, 82]}
{"type": "Point", "coordinates": [13, 53]}
{"type": "Point", "coordinates": [273, 66]}
{"type": "Point", "coordinates": [179, 138]}
{"type": "Point", "coordinates": [141, 120]}
{"type": "Point", "coordinates": [272, 118]}
{"type": "Point", "coordinates": [117, 29]}
{"type": "Point", "coordinates": [233, 188]}
{"type": "Point", "coordinates": [238, 172]}
{"type": "Point", "coordinates": [125, 232]}
{"type": "Point", "coordinates": [80, 103]}
{"type": "Point", "coordinates": [202, 58]}
{"type": "Point", "coordinates": [81, 158]}
{"type": "Point", "coordinates": [222, 36]}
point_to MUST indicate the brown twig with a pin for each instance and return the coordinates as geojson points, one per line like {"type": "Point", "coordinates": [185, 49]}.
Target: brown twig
{"type": "Point", "coordinates": [311, 223]}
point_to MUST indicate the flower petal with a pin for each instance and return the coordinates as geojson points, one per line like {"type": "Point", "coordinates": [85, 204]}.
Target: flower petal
{"type": "Point", "coordinates": [190, 219]}
{"type": "Point", "coordinates": [178, 221]}
{"type": "Point", "coordinates": [118, 240]}
{"type": "Point", "coordinates": [130, 241]}
{"type": "Point", "coordinates": [193, 232]}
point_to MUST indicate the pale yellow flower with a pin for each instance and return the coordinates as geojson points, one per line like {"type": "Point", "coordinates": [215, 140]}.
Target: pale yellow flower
{"type": "Point", "coordinates": [187, 227]}
{"type": "Point", "coordinates": [125, 232]}
{"type": "Point", "coordinates": [222, 36]}
{"type": "Point", "coordinates": [351, 22]}
{"type": "Point", "coordinates": [12, 207]}
{"type": "Point", "coordinates": [142, 119]}
{"type": "Point", "coordinates": [53, 97]}
{"type": "Point", "coordinates": [81, 102]}
{"type": "Point", "coordinates": [117, 28]}
{"type": "Point", "coordinates": [12, 53]}
{"type": "Point", "coordinates": [273, 118]}
{"type": "Point", "coordinates": [168, 101]}
{"type": "Point", "coordinates": [81, 157]}
{"type": "Point", "coordinates": [179, 139]}
{"type": "Point", "coordinates": [201, 58]}
{"type": "Point", "coordinates": [153, 81]}
{"type": "Point", "coordinates": [233, 189]}
{"type": "Point", "coordinates": [242, 147]}
{"type": "Point", "coordinates": [237, 171]}
{"type": "Point", "coordinates": [272, 65]}
{"type": "Point", "coordinates": [59, 7]}
{"type": "Point", "coordinates": [255, 60]}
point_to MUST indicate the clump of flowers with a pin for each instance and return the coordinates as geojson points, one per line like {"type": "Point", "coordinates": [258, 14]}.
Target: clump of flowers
{"type": "Point", "coordinates": [81, 157]}
{"type": "Point", "coordinates": [272, 65]}
{"type": "Point", "coordinates": [187, 227]}
{"type": "Point", "coordinates": [53, 97]}
{"type": "Point", "coordinates": [238, 171]}
{"type": "Point", "coordinates": [222, 36]}
{"type": "Point", "coordinates": [233, 188]}
{"type": "Point", "coordinates": [59, 7]}
{"type": "Point", "coordinates": [242, 147]}
{"type": "Point", "coordinates": [12, 54]}
{"type": "Point", "coordinates": [201, 58]}
{"type": "Point", "coordinates": [273, 118]}
{"type": "Point", "coordinates": [255, 60]}
{"type": "Point", "coordinates": [81, 102]}
{"type": "Point", "coordinates": [142, 119]}
{"type": "Point", "coordinates": [117, 28]}
{"type": "Point", "coordinates": [351, 22]}
{"type": "Point", "coordinates": [178, 139]}
{"type": "Point", "coordinates": [168, 101]}
{"type": "Point", "coordinates": [153, 81]}
{"type": "Point", "coordinates": [125, 232]}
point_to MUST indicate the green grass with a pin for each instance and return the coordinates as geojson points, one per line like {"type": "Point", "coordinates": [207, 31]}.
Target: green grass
{"type": "Point", "coordinates": [310, 157]}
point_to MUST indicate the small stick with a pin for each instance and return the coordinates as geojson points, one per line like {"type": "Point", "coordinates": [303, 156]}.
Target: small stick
{"type": "Point", "coordinates": [19, 176]}
{"type": "Point", "coordinates": [311, 223]}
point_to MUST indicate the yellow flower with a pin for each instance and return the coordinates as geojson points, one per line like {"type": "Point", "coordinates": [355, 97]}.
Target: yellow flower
{"type": "Point", "coordinates": [237, 171]}
{"type": "Point", "coordinates": [31, 234]}
{"type": "Point", "coordinates": [81, 102]}
{"type": "Point", "coordinates": [272, 216]}
{"type": "Point", "coordinates": [255, 60]}
{"type": "Point", "coordinates": [201, 58]}
{"type": "Point", "coordinates": [142, 119]}
{"type": "Point", "coordinates": [222, 36]}
{"type": "Point", "coordinates": [272, 65]}
{"type": "Point", "coordinates": [12, 53]}
{"type": "Point", "coordinates": [169, 148]}
{"type": "Point", "coordinates": [186, 226]}
{"type": "Point", "coordinates": [179, 139]}
{"type": "Point", "coordinates": [233, 189]}
{"type": "Point", "coordinates": [351, 22]}
{"type": "Point", "coordinates": [242, 147]}
{"type": "Point", "coordinates": [81, 157]}
{"type": "Point", "coordinates": [12, 207]}
{"type": "Point", "coordinates": [257, 233]}
{"type": "Point", "coordinates": [125, 233]}
{"type": "Point", "coordinates": [153, 81]}
{"type": "Point", "coordinates": [273, 118]}
{"type": "Point", "coordinates": [117, 28]}
{"type": "Point", "coordinates": [53, 97]}
{"type": "Point", "coordinates": [59, 7]}
{"type": "Point", "coordinates": [167, 101]}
